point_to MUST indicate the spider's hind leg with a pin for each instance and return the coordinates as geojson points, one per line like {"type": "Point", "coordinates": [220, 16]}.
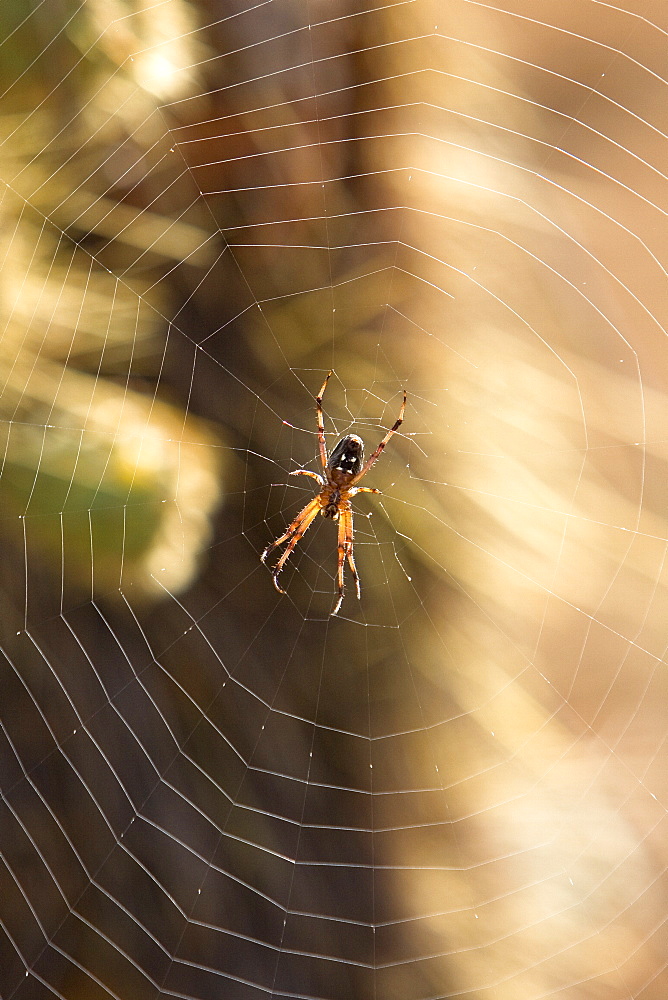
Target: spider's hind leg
{"type": "Point", "coordinates": [322, 446]}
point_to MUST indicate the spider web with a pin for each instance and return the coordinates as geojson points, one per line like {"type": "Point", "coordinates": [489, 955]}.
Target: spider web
{"type": "Point", "coordinates": [457, 787]}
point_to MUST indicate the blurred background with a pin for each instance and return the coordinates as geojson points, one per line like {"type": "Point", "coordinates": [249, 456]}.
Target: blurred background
{"type": "Point", "coordinates": [458, 786]}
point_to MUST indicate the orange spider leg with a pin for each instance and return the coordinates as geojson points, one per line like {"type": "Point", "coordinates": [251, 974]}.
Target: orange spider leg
{"type": "Point", "coordinates": [289, 532]}
{"type": "Point", "coordinates": [351, 560]}
{"type": "Point", "coordinates": [298, 527]}
{"type": "Point", "coordinates": [307, 472]}
{"type": "Point", "coordinates": [322, 445]}
{"type": "Point", "coordinates": [345, 551]}
{"type": "Point", "coordinates": [362, 489]}
{"type": "Point", "coordinates": [372, 458]}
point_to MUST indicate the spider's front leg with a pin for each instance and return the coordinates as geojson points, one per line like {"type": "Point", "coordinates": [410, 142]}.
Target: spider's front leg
{"type": "Point", "coordinates": [345, 551]}
{"type": "Point", "coordinates": [300, 524]}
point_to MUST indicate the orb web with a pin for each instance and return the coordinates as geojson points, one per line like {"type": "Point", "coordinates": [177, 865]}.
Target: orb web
{"type": "Point", "coordinates": [456, 787]}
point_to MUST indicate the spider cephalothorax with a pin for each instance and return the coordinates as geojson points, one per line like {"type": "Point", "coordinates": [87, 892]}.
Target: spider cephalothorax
{"type": "Point", "coordinates": [343, 469]}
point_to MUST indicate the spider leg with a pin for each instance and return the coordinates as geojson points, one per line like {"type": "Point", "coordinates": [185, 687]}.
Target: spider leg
{"type": "Point", "coordinates": [372, 458]}
{"type": "Point", "coordinates": [296, 530]}
{"type": "Point", "coordinates": [362, 489]}
{"type": "Point", "coordinates": [345, 551]}
{"type": "Point", "coordinates": [351, 561]}
{"type": "Point", "coordinates": [292, 528]}
{"type": "Point", "coordinates": [307, 472]}
{"type": "Point", "coordinates": [321, 423]}
{"type": "Point", "coordinates": [341, 549]}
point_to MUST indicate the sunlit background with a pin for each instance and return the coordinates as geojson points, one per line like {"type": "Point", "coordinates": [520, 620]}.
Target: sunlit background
{"type": "Point", "coordinates": [457, 787]}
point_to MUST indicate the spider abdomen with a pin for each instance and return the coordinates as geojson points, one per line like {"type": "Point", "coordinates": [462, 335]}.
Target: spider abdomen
{"type": "Point", "coordinates": [347, 456]}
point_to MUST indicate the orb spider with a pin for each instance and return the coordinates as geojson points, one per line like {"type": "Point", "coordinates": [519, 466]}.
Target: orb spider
{"type": "Point", "coordinates": [342, 470]}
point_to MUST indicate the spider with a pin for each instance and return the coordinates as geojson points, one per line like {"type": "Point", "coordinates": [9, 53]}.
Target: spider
{"type": "Point", "coordinates": [342, 470]}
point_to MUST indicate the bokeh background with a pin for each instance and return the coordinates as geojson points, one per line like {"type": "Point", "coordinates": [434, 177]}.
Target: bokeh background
{"type": "Point", "coordinates": [458, 787]}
